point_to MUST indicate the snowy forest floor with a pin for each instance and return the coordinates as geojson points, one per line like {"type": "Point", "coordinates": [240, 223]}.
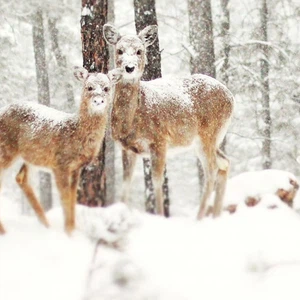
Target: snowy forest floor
{"type": "Point", "coordinates": [253, 254]}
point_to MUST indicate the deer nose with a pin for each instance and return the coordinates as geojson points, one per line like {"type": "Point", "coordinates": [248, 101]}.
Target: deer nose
{"type": "Point", "coordinates": [129, 69]}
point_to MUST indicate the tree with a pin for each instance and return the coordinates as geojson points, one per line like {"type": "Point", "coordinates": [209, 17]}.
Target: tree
{"type": "Point", "coordinates": [225, 26]}
{"type": "Point", "coordinates": [201, 37]}
{"type": "Point", "coordinates": [92, 190]}
{"type": "Point", "coordinates": [145, 14]}
{"type": "Point", "coordinates": [109, 142]}
{"type": "Point", "coordinates": [61, 62]}
{"type": "Point", "coordinates": [264, 65]}
{"type": "Point", "coordinates": [43, 94]}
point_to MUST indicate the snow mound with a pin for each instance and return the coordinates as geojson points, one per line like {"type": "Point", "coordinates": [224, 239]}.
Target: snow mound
{"type": "Point", "coordinates": [251, 255]}
{"type": "Point", "coordinates": [258, 184]}
{"type": "Point", "coordinates": [108, 224]}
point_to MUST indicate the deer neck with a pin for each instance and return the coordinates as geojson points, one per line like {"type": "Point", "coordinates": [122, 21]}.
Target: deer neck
{"type": "Point", "coordinates": [90, 122]}
{"type": "Point", "coordinates": [126, 101]}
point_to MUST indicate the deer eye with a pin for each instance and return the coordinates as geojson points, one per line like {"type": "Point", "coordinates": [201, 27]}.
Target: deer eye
{"type": "Point", "coordinates": [120, 52]}
{"type": "Point", "coordinates": [90, 88]}
{"type": "Point", "coordinates": [139, 52]}
{"type": "Point", "coordinates": [106, 89]}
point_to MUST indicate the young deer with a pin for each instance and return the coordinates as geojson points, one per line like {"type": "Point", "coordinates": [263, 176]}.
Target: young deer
{"type": "Point", "coordinates": [155, 116]}
{"type": "Point", "coordinates": [56, 140]}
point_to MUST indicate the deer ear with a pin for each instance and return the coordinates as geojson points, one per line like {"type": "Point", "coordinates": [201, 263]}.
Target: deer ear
{"type": "Point", "coordinates": [81, 73]}
{"type": "Point", "coordinates": [148, 35]}
{"type": "Point", "coordinates": [115, 75]}
{"type": "Point", "coordinates": [111, 34]}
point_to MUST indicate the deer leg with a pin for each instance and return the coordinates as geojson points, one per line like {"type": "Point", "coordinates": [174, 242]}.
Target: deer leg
{"type": "Point", "coordinates": [223, 165]}
{"type": "Point", "coordinates": [63, 182]}
{"type": "Point", "coordinates": [74, 185]}
{"type": "Point", "coordinates": [207, 157]}
{"type": "Point", "coordinates": [2, 230]}
{"type": "Point", "coordinates": [158, 161]}
{"type": "Point", "coordinates": [22, 179]}
{"type": "Point", "coordinates": [129, 159]}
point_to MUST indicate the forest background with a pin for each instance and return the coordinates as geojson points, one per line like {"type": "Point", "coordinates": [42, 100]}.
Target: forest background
{"type": "Point", "coordinates": [265, 130]}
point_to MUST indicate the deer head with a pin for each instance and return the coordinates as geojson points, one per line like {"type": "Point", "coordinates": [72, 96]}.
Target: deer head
{"type": "Point", "coordinates": [96, 93]}
{"type": "Point", "coordinates": [130, 50]}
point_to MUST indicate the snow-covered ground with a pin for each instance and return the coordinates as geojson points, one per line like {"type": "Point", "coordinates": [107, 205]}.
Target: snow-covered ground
{"type": "Point", "coordinates": [253, 254]}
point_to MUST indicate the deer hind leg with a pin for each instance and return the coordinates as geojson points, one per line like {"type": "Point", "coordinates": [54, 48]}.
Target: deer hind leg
{"type": "Point", "coordinates": [158, 161]}
{"type": "Point", "coordinates": [129, 160]}
{"type": "Point", "coordinates": [223, 170]}
{"type": "Point", "coordinates": [64, 183]}
{"type": "Point", "coordinates": [22, 179]}
{"type": "Point", "coordinates": [208, 159]}
{"type": "Point", "coordinates": [2, 230]}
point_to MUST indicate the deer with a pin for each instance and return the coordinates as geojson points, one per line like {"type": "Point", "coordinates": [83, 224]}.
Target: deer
{"type": "Point", "coordinates": [59, 141]}
{"type": "Point", "coordinates": [153, 118]}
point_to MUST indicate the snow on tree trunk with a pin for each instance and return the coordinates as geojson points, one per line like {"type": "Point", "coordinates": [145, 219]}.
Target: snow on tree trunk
{"type": "Point", "coordinates": [145, 14]}
{"type": "Point", "coordinates": [92, 187]}
{"type": "Point", "coordinates": [202, 41]}
{"type": "Point", "coordinates": [61, 62]}
{"type": "Point", "coordinates": [264, 65]}
{"type": "Point", "coordinates": [43, 94]}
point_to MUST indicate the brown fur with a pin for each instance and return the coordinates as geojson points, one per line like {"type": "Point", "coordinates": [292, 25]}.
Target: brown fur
{"type": "Point", "coordinates": [62, 146]}
{"type": "Point", "coordinates": [146, 126]}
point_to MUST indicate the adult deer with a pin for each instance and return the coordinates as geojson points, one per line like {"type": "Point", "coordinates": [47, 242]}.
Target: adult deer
{"type": "Point", "coordinates": [155, 116]}
{"type": "Point", "coordinates": [59, 141]}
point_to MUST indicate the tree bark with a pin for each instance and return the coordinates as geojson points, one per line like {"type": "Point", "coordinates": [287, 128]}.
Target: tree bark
{"type": "Point", "coordinates": [264, 65]}
{"type": "Point", "coordinates": [225, 35]}
{"type": "Point", "coordinates": [43, 94]}
{"type": "Point", "coordinates": [92, 187]}
{"type": "Point", "coordinates": [109, 142]}
{"type": "Point", "coordinates": [145, 14]}
{"type": "Point", "coordinates": [61, 62]}
{"type": "Point", "coordinates": [202, 41]}
{"type": "Point", "coordinates": [201, 37]}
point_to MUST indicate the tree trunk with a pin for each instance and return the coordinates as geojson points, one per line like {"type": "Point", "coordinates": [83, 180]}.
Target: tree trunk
{"type": "Point", "coordinates": [201, 37]}
{"type": "Point", "coordinates": [43, 94]}
{"type": "Point", "coordinates": [145, 14]}
{"type": "Point", "coordinates": [92, 187]}
{"type": "Point", "coordinates": [225, 26]}
{"type": "Point", "coordinates": [202, 41]}
{"type": "Point", "coordinates": [61, 62]}
{"type": "Point", "coordinates": [264, 65]}
{"type": "Point", "coordinates": [109, 142]}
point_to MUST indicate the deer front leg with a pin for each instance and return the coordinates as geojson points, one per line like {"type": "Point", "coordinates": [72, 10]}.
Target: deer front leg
{"type": "Point", "coordinates": [129, 160]}
{"type": "Point", "coordinates": [74, 185]}
{"type": "Point", "coordinates": [158, 161]}
{"type": "Point", "coordinates": [63, 182]}
{"type": "Point", "coordinates": [2, 230]}
{"type": "Point", "coordinates": [22, 179]}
